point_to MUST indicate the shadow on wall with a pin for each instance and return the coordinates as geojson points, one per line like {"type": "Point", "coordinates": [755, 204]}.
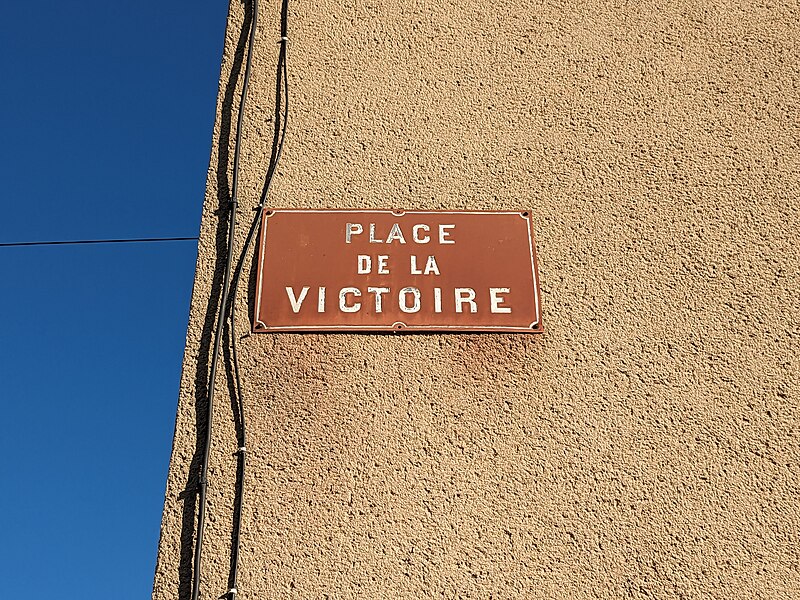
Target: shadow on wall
{"type": "Point", "coordinates": [190, 494]}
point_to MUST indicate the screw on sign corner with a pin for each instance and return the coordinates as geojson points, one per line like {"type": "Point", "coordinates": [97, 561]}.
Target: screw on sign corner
{"type": "Point", "coordinates": [399, 326]}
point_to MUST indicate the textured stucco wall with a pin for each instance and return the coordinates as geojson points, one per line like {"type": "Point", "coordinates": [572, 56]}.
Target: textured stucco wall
{"type": "Point", "coordinates": [647, 445]}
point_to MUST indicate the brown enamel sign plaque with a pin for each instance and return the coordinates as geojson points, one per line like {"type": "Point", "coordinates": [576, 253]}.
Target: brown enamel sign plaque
{"type": "Point", "coordinates": [384, 270]}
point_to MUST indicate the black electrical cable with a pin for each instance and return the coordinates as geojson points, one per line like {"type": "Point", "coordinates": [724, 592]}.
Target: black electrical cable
{"type": "Point", "coordinates": [112, 241]}
{"type": "Point", "coordinates": [281, 119]}
{"type": "Point", "coordinates": [222, 311]}
{"type": "Point", "coordinates": [230, 288]}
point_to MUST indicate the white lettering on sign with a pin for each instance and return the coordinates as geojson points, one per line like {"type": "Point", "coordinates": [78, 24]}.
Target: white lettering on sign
{"type": "Point", "coordinates": [444, 235]}
{"type": "Point", "coordinates": [383, 264]}
{"type": "Point", "coordinates": [378, 291]}
{"type": "Point", "coordinates": [343, 306]}
{"type": "Point", "coordinates": [465, 296]}
{"type": "Point", "coordinates": [408, 299]}
{"type": "Point", "coordinates": [372, 239]}
{"type": "Point", "coordinates": [496, 300]}
{"type": "Point", "coordinates": [294, 300]}
{"type": "Point", "coordinates": [321, 300]}
{"type": "Point", "coordinates": [415, 234]}
{"type": "Point", "coordinates": [396, 234]}
{"type": "Point", "coordinates": [404, 300]}
{"type": "Point", "coordinates": [431, 268]}
{"type": "Point", "coordinates": [364, 264]}
{"type": "Point", "coordinates": [351, 230]}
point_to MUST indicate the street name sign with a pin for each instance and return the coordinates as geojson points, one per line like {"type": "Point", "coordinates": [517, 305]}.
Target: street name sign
{"type": "Point", "coordinates": [394, 270]}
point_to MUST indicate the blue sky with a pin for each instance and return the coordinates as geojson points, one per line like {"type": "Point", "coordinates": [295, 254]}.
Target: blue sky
{"type": "Point", "coordinates": [108, 110]}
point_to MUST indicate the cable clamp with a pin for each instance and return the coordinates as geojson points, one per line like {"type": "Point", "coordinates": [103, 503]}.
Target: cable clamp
{"type": "Point", "coordinates": [241, 450]}
{"type": "Point", "coordinates": [283, 39]}
{"type": "Point", "coordinates": [232, 592]}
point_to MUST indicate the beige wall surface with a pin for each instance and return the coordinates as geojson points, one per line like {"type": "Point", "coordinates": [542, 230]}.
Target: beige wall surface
{"type": "Point", "coordinates": [647, 445]}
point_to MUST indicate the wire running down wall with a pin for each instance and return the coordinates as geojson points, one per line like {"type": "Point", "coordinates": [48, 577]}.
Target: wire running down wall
{"type": "Point", "coordinates": [644, 446]}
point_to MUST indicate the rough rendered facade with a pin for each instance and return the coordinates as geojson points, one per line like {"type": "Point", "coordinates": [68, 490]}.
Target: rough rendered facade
{"type": "Point", "coordinates": [646, 445]}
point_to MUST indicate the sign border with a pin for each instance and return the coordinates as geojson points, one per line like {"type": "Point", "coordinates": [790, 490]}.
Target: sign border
{"type": "Point", "coordinates": [398, 326]}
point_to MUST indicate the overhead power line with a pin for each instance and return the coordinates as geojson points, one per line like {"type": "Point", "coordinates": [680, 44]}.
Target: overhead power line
{"type": "Point", "coordinates": [117, 241]}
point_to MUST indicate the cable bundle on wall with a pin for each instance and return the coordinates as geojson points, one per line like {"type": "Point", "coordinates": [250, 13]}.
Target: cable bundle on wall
{"type": "Point", "coordinates": [227, 315]}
